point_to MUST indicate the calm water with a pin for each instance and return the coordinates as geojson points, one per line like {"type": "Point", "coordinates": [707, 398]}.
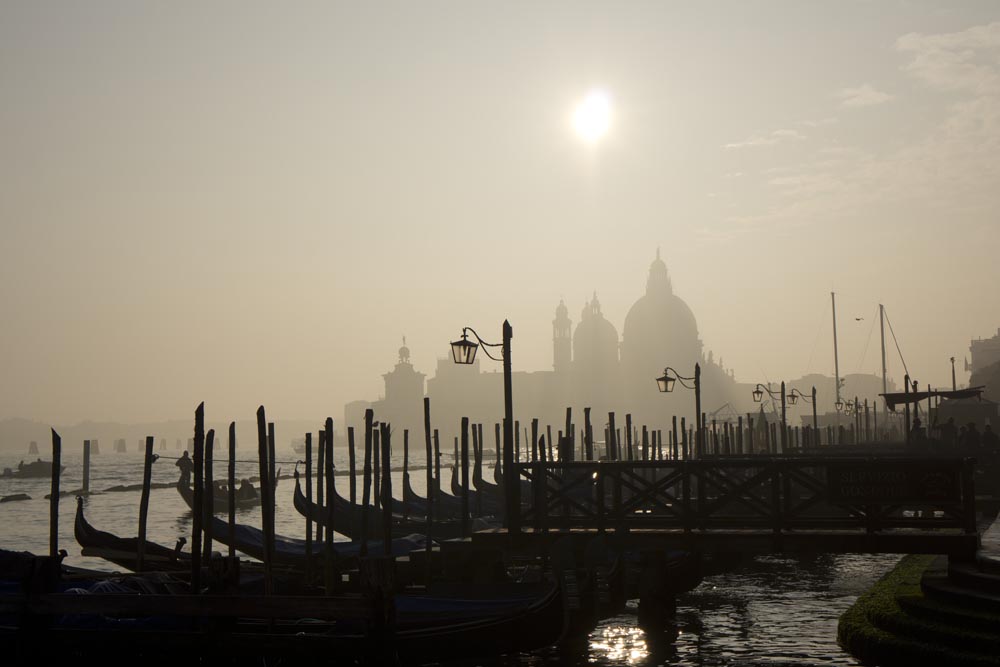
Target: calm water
{"type": "Point", "coordinates": [771, 611]}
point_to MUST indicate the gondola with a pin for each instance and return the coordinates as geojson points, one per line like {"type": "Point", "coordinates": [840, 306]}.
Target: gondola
{"type": "Point", "coordinates": [220, 500]}
{"type": "Point", "coordinates": [349, 519]}
{"type": "Point", "coordinates": [446, 506]}
{"type": "Point", "coordinates": [123, 551]}
{"type": "Point", "coordinates": [291, 551]}
{"type": "Point", "coordinates": [490, 504]}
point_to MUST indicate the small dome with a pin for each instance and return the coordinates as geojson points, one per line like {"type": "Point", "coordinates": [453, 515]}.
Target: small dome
{"type": "Point", "coordinates": [562, 312]}
{"type": "Point", "coordinates": [595, 341]}
{"type": "Point", "coordinates": [404, 353]}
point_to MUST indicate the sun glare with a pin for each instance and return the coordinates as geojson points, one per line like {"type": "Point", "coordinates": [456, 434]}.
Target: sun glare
{"type": "Point", "coordinates": [592, 116]}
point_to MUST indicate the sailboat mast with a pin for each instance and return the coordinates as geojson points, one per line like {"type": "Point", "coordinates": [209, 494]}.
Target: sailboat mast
{"type": "Point", "coordinates": [881, 324]}
{"type": "Point", "coordinates": [836, 357]}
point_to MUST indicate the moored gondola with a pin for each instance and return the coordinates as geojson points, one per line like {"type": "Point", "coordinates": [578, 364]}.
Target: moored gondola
{"type": "Point", "coordinates": [351, 520]}
{"type": "Point", "coordinates": [123, 551]}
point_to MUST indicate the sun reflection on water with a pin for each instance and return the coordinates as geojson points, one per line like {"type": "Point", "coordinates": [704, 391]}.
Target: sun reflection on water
{"type": "Point", "coordinates": [619, 644]}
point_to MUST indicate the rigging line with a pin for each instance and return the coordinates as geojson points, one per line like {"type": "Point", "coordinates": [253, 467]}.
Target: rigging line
{"type": "Point", "coordinates": [867, 342]}
{"type": "Point", "coordinates": [821, 325]}
{"type": "Point", "coordinates": [900, 352]}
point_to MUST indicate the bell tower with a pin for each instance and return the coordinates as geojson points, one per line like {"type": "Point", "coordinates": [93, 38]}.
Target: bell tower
{"type": "Point", "coordinates": [561, 339]}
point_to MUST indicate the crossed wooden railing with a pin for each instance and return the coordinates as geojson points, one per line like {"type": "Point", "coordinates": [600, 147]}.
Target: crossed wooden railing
{"type": "Point", "coordinates": [777, 493]}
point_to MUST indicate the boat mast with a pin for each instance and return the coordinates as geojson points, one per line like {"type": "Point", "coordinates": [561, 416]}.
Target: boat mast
{"type": "Point", "coordinates": [881, 324]}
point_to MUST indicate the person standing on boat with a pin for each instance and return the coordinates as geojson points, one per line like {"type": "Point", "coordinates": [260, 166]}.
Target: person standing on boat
{"type": "Point", "coordinates": [246, 491]}
{"type": "Point", "coordinates": [186, 466]}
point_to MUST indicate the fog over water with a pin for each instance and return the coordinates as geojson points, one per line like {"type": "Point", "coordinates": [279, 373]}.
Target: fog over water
{"type": "Point", "coordinates": [248, 204]}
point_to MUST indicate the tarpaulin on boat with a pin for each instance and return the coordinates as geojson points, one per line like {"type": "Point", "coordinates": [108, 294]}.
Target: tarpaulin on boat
{"type": "Point", "coordinates": [899, 398]}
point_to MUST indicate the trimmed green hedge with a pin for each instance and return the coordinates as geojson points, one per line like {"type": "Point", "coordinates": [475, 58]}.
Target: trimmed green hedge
{"type": "Point", "coordinates": [877, 630]}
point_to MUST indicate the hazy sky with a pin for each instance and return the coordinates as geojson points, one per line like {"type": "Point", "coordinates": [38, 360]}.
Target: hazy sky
{"type": "Point", "coordinates": [250, 203]}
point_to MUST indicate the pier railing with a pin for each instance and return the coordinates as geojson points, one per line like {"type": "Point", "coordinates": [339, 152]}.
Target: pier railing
{"type": "Point", "coordinates": [777, 493]}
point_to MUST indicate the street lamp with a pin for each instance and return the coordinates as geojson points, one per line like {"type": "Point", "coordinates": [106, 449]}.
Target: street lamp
{"type": "Point", "coordinates": [666, 385]}
{"type": "Point", "coordinates": [463, 351]}
{"type": "Point", "coordinates": [793, 397]}
{"type": "Point", "coordinates": [839, 405]}
{"type": "Point", "coordinates": [758, 396]}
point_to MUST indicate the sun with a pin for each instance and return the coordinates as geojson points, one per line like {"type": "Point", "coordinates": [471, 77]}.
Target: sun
{"type": "Point", "coordinates": [592, 116]}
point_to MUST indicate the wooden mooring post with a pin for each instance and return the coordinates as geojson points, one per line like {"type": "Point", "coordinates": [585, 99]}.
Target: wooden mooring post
{"type": "Point", "coordinates": [54, 497]}
{"type": "Point", "coordinates": [197, 497]}
{"type": "Point", "coordinates": [328, 554]}
{"type": "Point", "coordinates": [465, 475]}
{"type": "Point", "coordinates": [209, 496]}
{"type": "Point", "coordinates": [430, 485]}
{"type": "Point", "coordinates": [309, 495]}
{"type": "Point", "coordinates": [367, 481]}
{"type": "Point", "coordinates": [387, 488]}
{"type": "Point", "coordinates": [266, 489]}
{"type": "Point", "coordinates": [231, 482]}
{"type": "Point", "coordinates": [352, 466]}
{"type": "Point", "coordinates": [320, 495]}
{"type": "Point", "coordinates": [86, 467]}
{"type": "Point", "coordinates": [147, 474]}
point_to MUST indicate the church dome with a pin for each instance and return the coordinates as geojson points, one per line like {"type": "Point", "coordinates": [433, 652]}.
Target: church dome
{"type": "Point", "coordinates": [660, 328]}
{"type": "Point", "coordinates": [595, 341]}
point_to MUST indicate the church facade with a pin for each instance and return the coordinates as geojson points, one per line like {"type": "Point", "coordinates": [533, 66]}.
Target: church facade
{"type": "Point", "coordinates": [592, 366]}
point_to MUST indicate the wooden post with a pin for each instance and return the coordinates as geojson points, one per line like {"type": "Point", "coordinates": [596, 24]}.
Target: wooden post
{"type": "Point", "coordinates": [498, 455]}
{"type": "Point", "coordinates": [328, 554]}
{"type": "Point", "coordinates": [86, 467]}
{"type": "Point", "coordinates": [209, 497]}
{"type": "Point", "coordinates": [477, 455]}
{"type": "Point", "coordinates": [147, 474]}
{"type": "Point", "coordinates": [231, 479]}
{"type": "Point", "coordinates": [739, 435]}
{"type": "Point", "coordinates": [612, 444]}
{"type": "Point", "coordinates": [367, 483]}
{"type": "Point", "coordinates": [673, 428]}
{"type": "Point", "coordinates": [645, 443]}
{"type": "Point", "coordinates": [465, 475]}
{"type": "Point", "coordinates": [54, 497]}
{"type": "Point", "coordinates": [569, 430]}
{"type": "Point", "coordinates": [548, 443]}
{"type": "Point", "coordinates": [684, 444]}
{"type": "Point", "coordinates": [271, 478]}
{"type": "Point", "coordinates": [628, 436]}
{"type": "Point", "coordinates": [588, 434]}
{"type": "Point", "coordinates": [387, 489]}
{"type": "Point", "coordinates": [320, 474]}
{"type": "Point", "coordinates": [352, 467]}
{"type": "Point", "coordinates": [437, 463]}
{"type": "Point", "coordinates": [377, 466]}
{"type": "Point", "coordinates": [406, 471]}
{"type": "Point", "coordinates": [517, 442]}
{"type": "Point", "coordinates": [309, 497]}
{"type": "Point", "coordinates": [265, 497]}
{"type": "Point", "coordinates": [430, 483]}
{"type": "Point", "coordinates": [534, 440]}
{"type": "Point", "coordinates": [197, 498]}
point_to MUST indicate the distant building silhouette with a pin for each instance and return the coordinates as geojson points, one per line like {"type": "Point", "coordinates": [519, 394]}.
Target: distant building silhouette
{"type": "Point", "coordinates": [591, 367]}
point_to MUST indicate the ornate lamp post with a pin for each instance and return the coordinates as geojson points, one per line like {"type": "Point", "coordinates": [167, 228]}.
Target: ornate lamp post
{"type": "Point", "coordinates": [463, 351]}
{"type": "Point", "coordinates": [793, 397]}
{"type": "Point", "coordinates": [758, 396]}
{"type": "Point", "coordinates": [666, 383]}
